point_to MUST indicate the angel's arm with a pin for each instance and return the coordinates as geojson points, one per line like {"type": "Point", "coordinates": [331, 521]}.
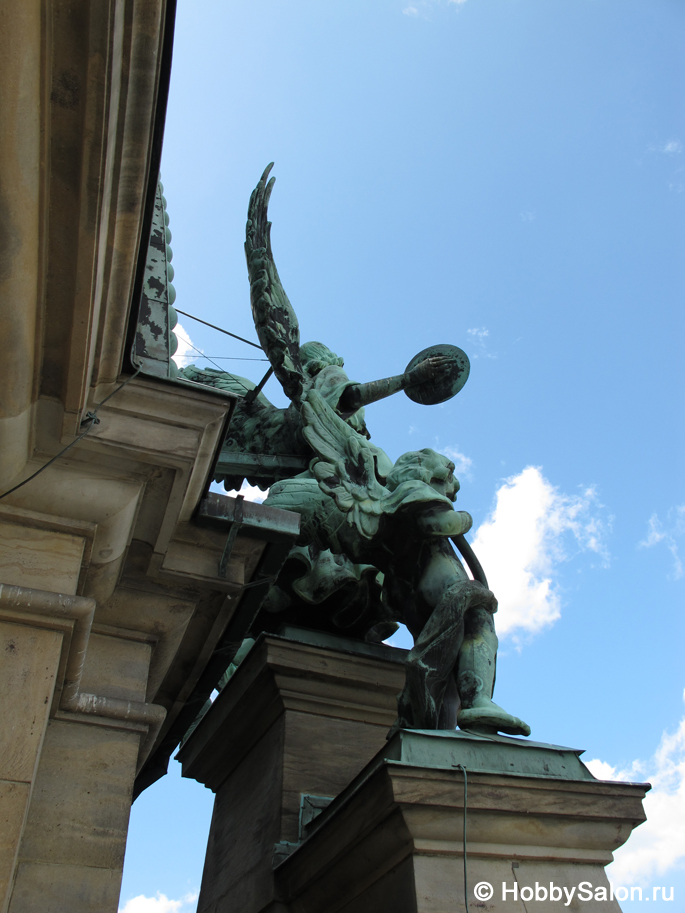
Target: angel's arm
{"type": "Point", "coordinates": [444, 522]}
{"type": "Point", "coordinates": [359, 395]}
{"type": "Point", "coordinates": [274, 317]}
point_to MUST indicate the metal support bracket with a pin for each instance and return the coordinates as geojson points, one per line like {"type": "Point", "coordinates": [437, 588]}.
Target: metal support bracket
{"type": "Point", "coordinates": [232, 534]}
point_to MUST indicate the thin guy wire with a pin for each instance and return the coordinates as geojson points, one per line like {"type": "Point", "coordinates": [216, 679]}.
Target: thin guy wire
{"type": "Point", "coordinates": [219, 366]}
{"type": "Point", "coordinates": [228, 358]}
{"type": "Point", "coordinates": [199, 352]}
{"type": "Point", "coordinates": [91, 417]}
{"type": "Point", "coordinates": [466, 885]}
{"type": "Point", "coordinates": [186, 314]}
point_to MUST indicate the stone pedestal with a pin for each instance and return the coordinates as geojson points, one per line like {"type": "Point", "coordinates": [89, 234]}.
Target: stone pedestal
{"type": "Point", "coordinates": [296, 723]}
{"type": "Point", "coordinates": [301, 723]}
{"type": "Point", "coordinates": [537, 821]}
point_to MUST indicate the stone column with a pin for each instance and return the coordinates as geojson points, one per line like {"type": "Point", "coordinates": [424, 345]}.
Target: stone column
{"type": "Point", "coordinates": [71, 855]}
{"type": "Point", "coordinates": [29, 659]}
{"type": "Point", "coordinates": [289, 731]}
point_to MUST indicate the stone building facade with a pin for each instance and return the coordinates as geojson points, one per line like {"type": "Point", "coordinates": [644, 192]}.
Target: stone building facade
{"type": "Point", "coordinates": [117, 612]}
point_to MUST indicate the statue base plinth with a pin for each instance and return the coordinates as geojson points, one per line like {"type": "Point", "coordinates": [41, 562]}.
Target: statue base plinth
{"type": "Point", "coordinates": [316, 813]}
{"type": "Point", "coordinates": [301, 716]}
{"type": "Point", "coordinates": [393, 839]}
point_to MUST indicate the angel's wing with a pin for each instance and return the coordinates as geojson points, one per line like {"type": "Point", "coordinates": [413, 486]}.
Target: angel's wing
{"type": "Point", "coordinates": [223, 380]}
{"type": "Point", "coordinates": [345, 467]}
{"type": "Point", "coordinates": [274, 317]}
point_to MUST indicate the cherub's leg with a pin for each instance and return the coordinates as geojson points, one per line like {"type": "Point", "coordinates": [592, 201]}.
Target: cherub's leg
{"type": "Point", "coordinates": [476, 678]}
{"type": "Point", "coordinates": [430, 664]}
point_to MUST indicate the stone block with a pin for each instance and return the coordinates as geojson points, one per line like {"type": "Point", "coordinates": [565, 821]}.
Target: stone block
{"type": "Point", "coordinates": [321, 760]}
{"type": "Point", "coordinates": [64, 889]}
{"type": "Point", "coordinates": [29, 659]}
{"type": "Point", "coordinates": [116, 667]}
{"type": "Point", "coordinates": [14, 798]}
{"type": "Point", "coordinates": [297, 719]}
{"type": "Point", "coordinates": [39, 558]}
{"type": "Point", "coordinates": [81, 800]}
{"type": "Point", "coordinates": [246, 823]}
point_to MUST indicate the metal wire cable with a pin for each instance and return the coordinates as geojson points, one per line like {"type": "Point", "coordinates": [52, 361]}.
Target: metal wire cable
{"type": "Point", "coordinates": [200, 352]}
{"type": "Point", "coordinates": [186, 314]}
{"type": "Point", "coordinates": [466, 884]}
{"type": "Point", "coordinates": [228, 357]}
{"type": "Point", "coordinates": [91, 418]}
{"type": "Point", "coordinates": [219, 366]}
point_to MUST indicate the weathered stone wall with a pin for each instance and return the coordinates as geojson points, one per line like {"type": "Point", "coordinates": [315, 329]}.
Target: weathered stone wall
{"type": "Point", "coordinates": [110, 598]}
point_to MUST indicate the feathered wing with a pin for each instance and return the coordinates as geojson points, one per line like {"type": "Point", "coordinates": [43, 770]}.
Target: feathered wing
{"type": "Point", "coordinates": [274, 317]}
{"type": "Point", "coordinates": [345, 466]}
{"type": "Point", "coordinates": [223, 380]}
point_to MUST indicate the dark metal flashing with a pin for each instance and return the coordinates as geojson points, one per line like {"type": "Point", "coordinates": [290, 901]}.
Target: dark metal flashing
{"type": "Point", "coordinates": [260, 520]}
{"type": "Point", "coordinates": [152, 178]}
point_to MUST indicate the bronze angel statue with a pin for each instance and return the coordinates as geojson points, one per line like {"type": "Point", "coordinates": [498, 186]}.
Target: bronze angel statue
{"type": "Point", "coordinates": [375, 546]}
{"type": "Point", "coordinates": [402, 525]}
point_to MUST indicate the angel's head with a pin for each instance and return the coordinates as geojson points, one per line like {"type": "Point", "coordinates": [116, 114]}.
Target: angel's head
{"type": "Point", "coordinates": [315, 356]}
{"type": "Point", "coordinates": [425, 466]}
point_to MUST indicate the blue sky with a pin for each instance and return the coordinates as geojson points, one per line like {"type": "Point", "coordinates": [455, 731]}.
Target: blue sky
{"type": "Point", "coordinates": [507, 176]}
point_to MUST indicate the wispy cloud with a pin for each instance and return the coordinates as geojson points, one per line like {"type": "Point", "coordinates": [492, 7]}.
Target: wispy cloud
{"type": "Point", "coordinates": [462, 464]}
{"type": "Point", "coordinates": [479, 337]}
{"type": "Point", "coordinates": [668, 532]}
{"type": "Point", "coordinates": [527, 215]}
{"type": "Point", "coordinates": [160, 904]}
{"type": "Point", "coordinates": [424, 7]}
{"type": "Point", "coordinates": [531, 530]}
{"type": "Point", "coordinates": [658, 845]}
{"type": "Point", "coordinates": [671, 147]}
{"type": "Point", "coordinates": [677, 184]}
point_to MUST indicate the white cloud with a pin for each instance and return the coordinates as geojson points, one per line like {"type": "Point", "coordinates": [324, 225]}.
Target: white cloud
{"type": "Point", "coordinates": [249, 492]}
{"type": "Point", "coordinates": [478, 338]}
{"type": "Point", "coordinates": [462, 463]}
{"type": "Point", "coordinates": [160, 904]}
{"type": "Point", "coordinates": [425, 6]}
{"type": "Point", "coordinates": [658, 532]}
{"type": "Point", "coordinates": [524, 539]}
{"type": "Point", "coordinates": [672, 147]}
{"type": "Point", "coordinates": [185, 353]}
{"type": "Point", "coordinates": [658, 845]}
{"type": "Point", "coordinates": [527, 216]}
{"type": "Point", "coordinates": [601, 769]}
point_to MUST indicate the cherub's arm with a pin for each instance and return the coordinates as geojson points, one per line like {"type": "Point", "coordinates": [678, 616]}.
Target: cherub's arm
{"type": "Point", "coordinates": [439, 522]}
{"type": "Point", "coordinates": [359, 395]}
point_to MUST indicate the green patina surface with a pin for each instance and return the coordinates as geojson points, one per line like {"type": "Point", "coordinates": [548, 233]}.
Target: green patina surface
{"type": "Point", "coordinates": [450, 751]}
{"type": "Point", "coordinates": [374, 547]}
{"type": "Point", "coordinates": [155, 340]}
{"type": "Point", "coordinates": [491, 753]}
